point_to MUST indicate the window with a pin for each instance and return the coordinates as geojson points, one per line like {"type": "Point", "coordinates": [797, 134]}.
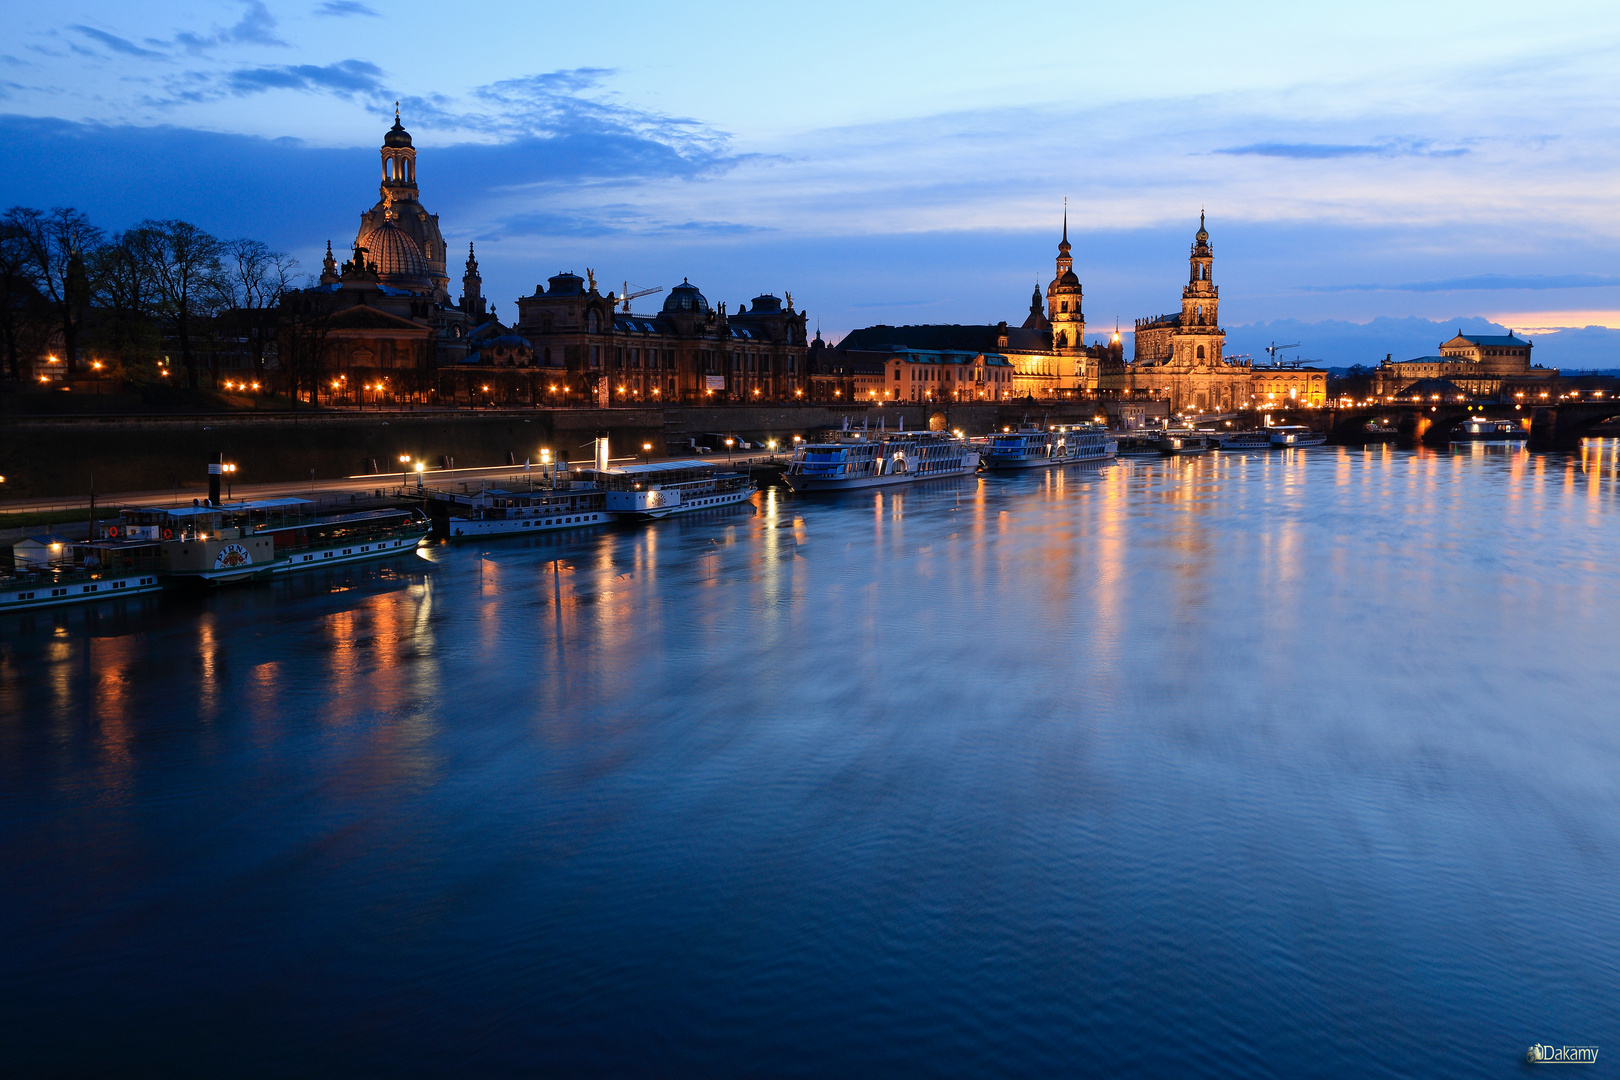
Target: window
{"type": "Point", "coordinates": [1200, 352]}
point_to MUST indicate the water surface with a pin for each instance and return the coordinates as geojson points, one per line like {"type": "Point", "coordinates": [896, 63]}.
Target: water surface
{"type": "Point", "coordinates": [1299, 764]}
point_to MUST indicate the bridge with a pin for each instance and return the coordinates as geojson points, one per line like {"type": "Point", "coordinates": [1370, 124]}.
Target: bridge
{"type": "Point", "coordinates": [1554, 426]}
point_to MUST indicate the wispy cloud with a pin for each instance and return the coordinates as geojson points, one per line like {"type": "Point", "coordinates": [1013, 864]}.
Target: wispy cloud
{"type": "Point", "coordinates": [1483, 282]}
{"type": "Point", "coordinates": [1320, 151]}
{"type": "Point", "coordinates": [343, 8]}
{"type": "Point", "coordinates": [256, 27]}
{"type": "Point", "coordinates": [345, 78]}
{"type": "Point", "coordinates": [116, 43]}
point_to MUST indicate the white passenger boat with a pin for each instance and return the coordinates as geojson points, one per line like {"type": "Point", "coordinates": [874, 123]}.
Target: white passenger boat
{"type": "Point", "coordinates": [1480, 429]}
{"type": "Point", "coordinates": [147, 548]}
{"type": "Point", "coordinates": [1030, 447]}
{"type": "Point", "coordinates": [844, 461]}
{"type": "Point", "coordinates": [1292, 435]}
{"type": "Point", "coordinates": [516, 509]}
{"type": "Point", "coordinates": [661, 489]}
{"type": "Point", "coordinates": [58, 571]}
{"type": "Point", "coordinates": [250, 538]}
{"type": "Point", "coordinates": [1242, 440]}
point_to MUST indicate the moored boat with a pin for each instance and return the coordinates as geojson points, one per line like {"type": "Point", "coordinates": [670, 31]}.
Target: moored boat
{"type": "Point", "coordinates": [847, 460]}
{"type": "Point", "coordinates": [1139, 443]}
{"type": "Point", "coordinates": [1482, 429]}
{"type": "Point", "coordinates": [1175, 443]}
{"type": "Point", "coordinates": [1030, 447]}
{"type": "Point", "coordinates": [1290, 436]}
{"type": "Point", "coordinates": [1242, 440]}
{"type": "Point", "coordinates": [661, 489]}
{"type": "Point", "coordinates": [515, 510]}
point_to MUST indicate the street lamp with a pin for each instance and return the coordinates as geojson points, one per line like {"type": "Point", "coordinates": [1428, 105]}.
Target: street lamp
{"type": "Point", "coordinates": [646, 451]}
{"type": "Point", "coordinates": [228, 468]}
{"type": "Point", "coordinates": [418, 477]}
{"type": "Point", "coordinates": [729, 441]}
{"type": "Point", "coordinates": [404, 460]}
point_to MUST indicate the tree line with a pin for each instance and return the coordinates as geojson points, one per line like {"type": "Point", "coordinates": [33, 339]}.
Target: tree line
{"type": "Point", "coordinates": [130, 299]}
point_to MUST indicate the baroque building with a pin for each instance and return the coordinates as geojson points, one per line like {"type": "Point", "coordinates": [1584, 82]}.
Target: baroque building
{"type": "Point", "coordinates": [1045, 357]}
{"type": "Point", "coordinates": [380, 326]}
{"type": "Point", "coordinates": [690, 351]}
{"type": "Point", "coordinates": [1181, 357]}
{"type": "Point", "coordinates": [1478, 365]}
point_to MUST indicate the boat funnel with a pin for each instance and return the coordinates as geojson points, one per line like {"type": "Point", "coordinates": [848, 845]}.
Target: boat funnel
{"type": "Point", "coordinates": [216, 466]}
{"type": "Point", "coordinates": [601, 451]}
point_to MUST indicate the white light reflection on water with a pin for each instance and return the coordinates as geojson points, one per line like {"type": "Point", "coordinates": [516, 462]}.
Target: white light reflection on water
{"type": "Point", "coordinates": [1258, 762]}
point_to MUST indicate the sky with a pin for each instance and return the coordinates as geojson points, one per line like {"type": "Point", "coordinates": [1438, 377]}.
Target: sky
{"type": "Point", "coordinates": [1379, 165]}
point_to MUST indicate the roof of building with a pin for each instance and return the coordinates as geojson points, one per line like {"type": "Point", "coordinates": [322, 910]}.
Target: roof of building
{"type": "Point", "coordinates": [397, 135]}
{"type": "Point", "coordinates": [395, 253]}
{"type": "Point", "coordinates": [946, 336]}
{"type": "Point", "coordinates": [686, 297]}
{"type": "Point", "coordinates": [1493, 339]}
{"type": "Point", "coordinates": [43, 539]}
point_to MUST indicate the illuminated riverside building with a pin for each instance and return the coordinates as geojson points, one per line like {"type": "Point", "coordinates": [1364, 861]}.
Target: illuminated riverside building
{"type": "Point", "coordinates": [1181, 358]}
{"type": "Point", "coordinates": [1046, 357]}
{"type": "Point", "coordinates": [689, 352]}
{"type": "Point", "coordinates": [1478, 365]}
{"type": "Point", "coordinates": [386, 328]}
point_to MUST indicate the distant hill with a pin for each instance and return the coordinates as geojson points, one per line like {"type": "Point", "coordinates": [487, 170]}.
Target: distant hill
{"type": "Point", "coordinates": [1341, 344]}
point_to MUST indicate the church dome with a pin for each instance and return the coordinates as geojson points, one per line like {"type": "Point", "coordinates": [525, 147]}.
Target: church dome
{"type": "Point", "coordinates": [397, 135]}
{"type": "Point", "coordinates": [395, 253]}
{"type": "Point", "coordinates": [685, 297]}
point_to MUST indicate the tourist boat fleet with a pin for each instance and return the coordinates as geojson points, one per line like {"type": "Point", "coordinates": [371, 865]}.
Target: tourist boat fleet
{"type": "Point", "coordinates": [207, 543]}
{"type": "Point", "coordinates": [212, 542]}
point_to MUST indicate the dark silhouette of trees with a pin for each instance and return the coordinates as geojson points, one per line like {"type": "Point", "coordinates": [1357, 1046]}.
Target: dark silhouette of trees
{"type": "Point", "coordinates": [24, 318]}
{"type": "Point", "coordinates": [182, 262]}
{"type": "Point", "coordinates": [251, 284]}
{"type": "Point", "coordinates": [56, 246]}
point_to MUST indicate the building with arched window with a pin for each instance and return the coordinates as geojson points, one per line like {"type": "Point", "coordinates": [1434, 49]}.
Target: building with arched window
{"type": "Point", "coordinates": [1181, 357]}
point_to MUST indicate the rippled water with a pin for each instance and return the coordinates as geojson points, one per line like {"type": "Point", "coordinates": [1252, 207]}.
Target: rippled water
{"type": "Point", "coordinates": [1299, 764]}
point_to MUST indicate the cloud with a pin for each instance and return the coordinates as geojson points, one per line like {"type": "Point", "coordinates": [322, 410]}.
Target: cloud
{"type": "Point", "coordinates": [116, 43]}
{"type": "Point", "coordinates": [1321, 151]}
{"type": "Point", "coordinates": [342, 8]}
{"type": "Point", "coordinates": [1484, 282]}
{"type": "Point", "coordinates": [255, 27]}
{"type": "Point", "coordinates": [345, 78]}
{"type": "Point", "coordinates": [571, 104]}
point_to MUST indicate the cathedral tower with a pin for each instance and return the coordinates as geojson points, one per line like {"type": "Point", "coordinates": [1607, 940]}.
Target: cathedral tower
{"type": "Point", "coordinates": [1199, 338]}
{"type": "Point", "coordinates": [399, 208]}
{"type": "Point", "coordinates": [1063, 301]}
{"type": "Point", "coordinates": [472, 286]}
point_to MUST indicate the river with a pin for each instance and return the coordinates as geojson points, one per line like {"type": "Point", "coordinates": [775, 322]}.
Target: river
{"type": "Point", "coordinates": [1268, 764]}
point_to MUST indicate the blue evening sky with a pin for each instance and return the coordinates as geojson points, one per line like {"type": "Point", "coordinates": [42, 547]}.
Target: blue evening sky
{"type": "Point", "coordinates": [883, 162]}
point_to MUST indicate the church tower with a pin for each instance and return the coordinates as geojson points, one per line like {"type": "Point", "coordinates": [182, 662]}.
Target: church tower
{"type": "Point", "coordinates": [1063, 300]}
{"type": "Point", "coordinates": [472, 286]}
{"type": "Point", "coordinates": [399, 233]}
{"type": "Point", "coordinates": [1199, 338]}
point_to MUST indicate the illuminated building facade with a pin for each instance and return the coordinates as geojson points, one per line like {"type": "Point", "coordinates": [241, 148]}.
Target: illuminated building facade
{"type": "Point", "coordinates": [1478, 365]}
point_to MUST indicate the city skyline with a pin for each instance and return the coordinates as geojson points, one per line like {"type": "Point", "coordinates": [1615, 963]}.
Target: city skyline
{"type": "Point", "coordinates": [879, 165]}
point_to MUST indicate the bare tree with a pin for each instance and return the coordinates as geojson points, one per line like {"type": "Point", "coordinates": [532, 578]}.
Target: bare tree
{"type": "Point", "coordinates": [56, 246]}
{"type": "Point", "coordinates": [125, 298]}
{"type": "Point", "coordinates": [183, 264]}
{"type": "Point", "coordinates": [252, 282]}
{"type": "Point", "coordinates": [24, 319]}
{"type": "Point", "coordinates": [305, 332]}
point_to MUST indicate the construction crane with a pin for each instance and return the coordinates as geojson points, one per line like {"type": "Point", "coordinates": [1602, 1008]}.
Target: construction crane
{"type": "Point", "coordinates": [628, 296]}
{"type": "Point", "coordinates": [1273, 349]}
